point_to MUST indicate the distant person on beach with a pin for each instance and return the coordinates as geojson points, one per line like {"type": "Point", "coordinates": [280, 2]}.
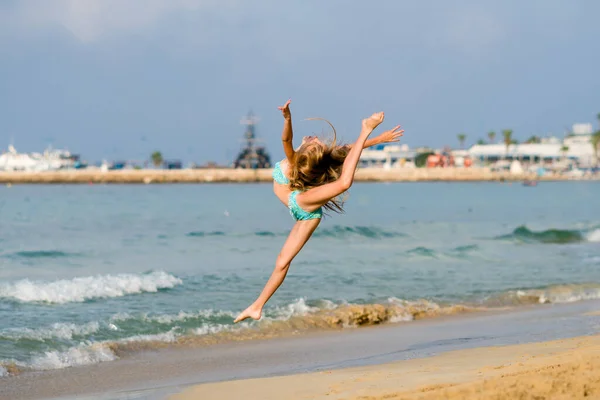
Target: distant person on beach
{"type": "Point", "coordinates": [312, 178]}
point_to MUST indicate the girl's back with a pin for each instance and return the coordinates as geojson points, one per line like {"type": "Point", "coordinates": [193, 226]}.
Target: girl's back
{"type": "Point", "coordinates": [281, 182]}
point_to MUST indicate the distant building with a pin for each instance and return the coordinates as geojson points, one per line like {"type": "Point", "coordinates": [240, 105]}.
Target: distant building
{"type": "Point", "coordinates": [388, 156]}
{"type": "Point", "coordinates": [576, 147]}
{"type": "Point", "coordinates": [582, 129]}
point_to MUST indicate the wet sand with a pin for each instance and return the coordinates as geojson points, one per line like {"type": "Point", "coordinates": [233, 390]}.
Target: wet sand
{"type": "Point", "coordinates": [87, 176]}
{"type": "Point", "coordinates": [339, 361]}
{"type": "Point", "coordinates": [562, 369]}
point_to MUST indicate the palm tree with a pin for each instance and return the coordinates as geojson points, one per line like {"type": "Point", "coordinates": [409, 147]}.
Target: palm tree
{"type": "Point", "coordinates": [533, 139]}
{"type": "Point", "coordinates": [481, 142]}
{"type": "Point", "coordinates": [157, 158]}
{"type": "Point", "coordinates": [461, 139]}
{"type": "Point", "coordinates": [507, 133]}
{"type": "Point", "coordinates": [492, 136]}
{"type": "Point", "coordinates": [596, 144]}
{"type": "Point", "coordinates": [564, 150]}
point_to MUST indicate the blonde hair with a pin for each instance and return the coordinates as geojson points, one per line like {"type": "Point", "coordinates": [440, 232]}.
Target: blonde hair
{"type": "Point", "coordinates": [316, 164]}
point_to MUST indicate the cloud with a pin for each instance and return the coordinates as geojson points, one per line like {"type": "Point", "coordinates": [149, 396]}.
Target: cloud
{"type": "Point", "coordinates": [92, 20]}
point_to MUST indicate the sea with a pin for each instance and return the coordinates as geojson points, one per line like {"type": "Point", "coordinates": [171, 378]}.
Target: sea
{"type": "Point", "coordinates": [92, 273]}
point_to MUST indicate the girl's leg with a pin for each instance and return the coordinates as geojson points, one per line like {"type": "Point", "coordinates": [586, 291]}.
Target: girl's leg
{"type": "Point", "coordinates": [297, 238]}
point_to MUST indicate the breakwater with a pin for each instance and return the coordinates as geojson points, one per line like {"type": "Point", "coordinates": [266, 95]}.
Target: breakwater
{"type": "Point", "coordinates": [228, 175]}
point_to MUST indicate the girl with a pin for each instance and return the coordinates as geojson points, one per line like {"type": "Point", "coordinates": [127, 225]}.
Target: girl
{"type": "Point", "coordinates": [311, 178]}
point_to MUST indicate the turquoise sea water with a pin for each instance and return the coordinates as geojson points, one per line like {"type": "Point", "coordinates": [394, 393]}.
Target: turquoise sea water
{"type": "Point", "coordinates": [85, 267]}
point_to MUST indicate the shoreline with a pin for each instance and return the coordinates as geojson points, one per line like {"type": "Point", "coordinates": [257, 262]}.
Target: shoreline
{"type": "Point", "coordinates": [157, 373]}
{"type": "Point", "coordinates": [225, 175]}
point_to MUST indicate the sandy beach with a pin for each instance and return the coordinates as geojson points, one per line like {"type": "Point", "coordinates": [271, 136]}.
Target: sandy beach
{"type": "Point", "coordinates": [87, 176]}
{"type": "Point", "coordinates": [561, 369]}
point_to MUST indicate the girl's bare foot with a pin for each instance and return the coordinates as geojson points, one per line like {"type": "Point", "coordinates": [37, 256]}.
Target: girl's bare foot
{"type": "Point", "coordinates": [373, 121]}
{"type": "Point", "coordinates": [250, 312]}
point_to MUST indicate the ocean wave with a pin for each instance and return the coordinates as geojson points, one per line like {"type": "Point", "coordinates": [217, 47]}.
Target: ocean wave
{"type": "Point", "coordinates": [206, 327]}
{"type": "Point", "coordinates": [336, 231]}
{"type": "Point", "coordinates": [460, 252]}
{"type": "Point", "coordinates": [422, 251]}
{"type": "Point", "coordinates": [370, 232]}
{"type": "Point", "coordinates": [465, 249]}
{"type": "Point", "coordinates": [124, 334]}
{"type": "Point", "coordinates": [170, 319]}
{"type": "Point", "coordinates": [84, 354]}
{"type": "Point", "coordinates": [87, 288]}
{"type": "Point", "coordinates": [179, 329]}
{"type": "Point", "coordinates": [203, 234]}
{"type": "Point", "coordinates": [59, 330]}
{"type": "Point", "coordinates": [551, 236]}
{"type": "Point", "coordinates": [593, 235]}
{"type": "Point", "coordinates": [299, 317]}
{"type": "Point", "coordinates": [561, 294]}
{"type": "Point", "coordinates": [553, 294]}
{"type": "Point", "coordinates": [40, 254]}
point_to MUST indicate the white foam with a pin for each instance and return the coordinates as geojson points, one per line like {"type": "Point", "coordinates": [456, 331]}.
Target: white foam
{"type": "Point", "coordinates": [405, 305]}
{"type": "Point", "coordinates": [172, 318]}
{"type": "Point", "coordinates": [212, 329]}
{"type": "Point", "coordinates": [405, 317]}
{"type": "Point", "coordinates": [570, 297]}
{"type": "Point", "coordinates": [562, 294]}
{"type": "Point", "coordinates": [327, 305]}
{"type": "Point", "coordinates": [74, 356]}
{"type": "Point", "coordinates": [3, 372]}
{"type": "Point", "coordinates": [58, 330]}
{"type": "Point", "coordinates": [86, 288]}
{"type": "Point", "coordinates": [297, 308]}
{"type": "Point", "coordinates": [166, 337]}
{"type": "Point", "coordinates": [422, 304]}
{"type": "Point", "coordinates": [86, 354]}
{"type": "Point", "coordinates": [594, 236]}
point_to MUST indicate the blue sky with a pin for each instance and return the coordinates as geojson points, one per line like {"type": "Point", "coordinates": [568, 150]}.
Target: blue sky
{"type": "Point", "coordinates": [120, 78]}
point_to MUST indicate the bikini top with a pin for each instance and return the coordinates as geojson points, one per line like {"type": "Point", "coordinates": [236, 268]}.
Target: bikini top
{"type": "Point", "coordinates": [279, 176]}
{"type": "Point", "coordinates": [298, 213]}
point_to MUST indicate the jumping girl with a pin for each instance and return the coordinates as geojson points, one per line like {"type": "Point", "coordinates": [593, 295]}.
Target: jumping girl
{"type": "Point", "coordinates": [310, 178]}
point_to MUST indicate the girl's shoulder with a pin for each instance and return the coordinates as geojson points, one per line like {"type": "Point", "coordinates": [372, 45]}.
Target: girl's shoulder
{"type": "Point", "coordinates": [284, 165]}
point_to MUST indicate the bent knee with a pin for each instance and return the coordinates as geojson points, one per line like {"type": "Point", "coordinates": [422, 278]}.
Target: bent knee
{"type": "Point", "coordinates": [281, 263]}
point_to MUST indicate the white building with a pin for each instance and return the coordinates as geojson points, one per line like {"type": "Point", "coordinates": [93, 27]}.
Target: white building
{"type": "Point", "coordinates": [576, 147]}
{"type": "Point", "coordinates": [388, 156]}
{"type": "Point", "coordinates": [582, 129]}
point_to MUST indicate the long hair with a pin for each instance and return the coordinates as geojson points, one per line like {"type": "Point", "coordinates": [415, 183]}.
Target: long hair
{"type": "Point", "coordinates": [316, 164]}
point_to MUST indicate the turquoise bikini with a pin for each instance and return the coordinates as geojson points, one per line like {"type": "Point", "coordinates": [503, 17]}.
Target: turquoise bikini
{"type": "Point", "coordinates": [297, 212]}
{"type": "Point", "coordinates": [278, 175]}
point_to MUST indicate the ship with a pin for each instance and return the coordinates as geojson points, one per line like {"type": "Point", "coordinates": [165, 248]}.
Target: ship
{"type": "Point", "coordinates": [49, 160]}
{"type": "Point", "coordinates": [252, 155]}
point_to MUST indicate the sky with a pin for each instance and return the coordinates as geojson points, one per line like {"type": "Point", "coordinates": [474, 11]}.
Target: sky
{"type": "Point", "coordinates": [119, 79]}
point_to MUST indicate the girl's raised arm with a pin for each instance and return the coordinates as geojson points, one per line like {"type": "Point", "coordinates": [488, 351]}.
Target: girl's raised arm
{"type": "Point", "coordinates": [287, 134]}
{"type": "Point", "coordinates": [316, 197]}
{"type": "Point", "coordinates": [393, 135]}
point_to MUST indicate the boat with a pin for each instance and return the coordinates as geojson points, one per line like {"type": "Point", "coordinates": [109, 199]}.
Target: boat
{"type": "Point", "coordinates": [528, 182]}
{"type": "Point", "coordinates": [252, 155]}
{"type": "Point", "coordinates": [49, 160]}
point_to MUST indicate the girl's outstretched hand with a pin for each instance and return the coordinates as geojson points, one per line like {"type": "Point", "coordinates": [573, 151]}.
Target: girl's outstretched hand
{"type": "Point", "coordinates": [285, 109]}
{"type": "Point", "coordinates": [393, 135]}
